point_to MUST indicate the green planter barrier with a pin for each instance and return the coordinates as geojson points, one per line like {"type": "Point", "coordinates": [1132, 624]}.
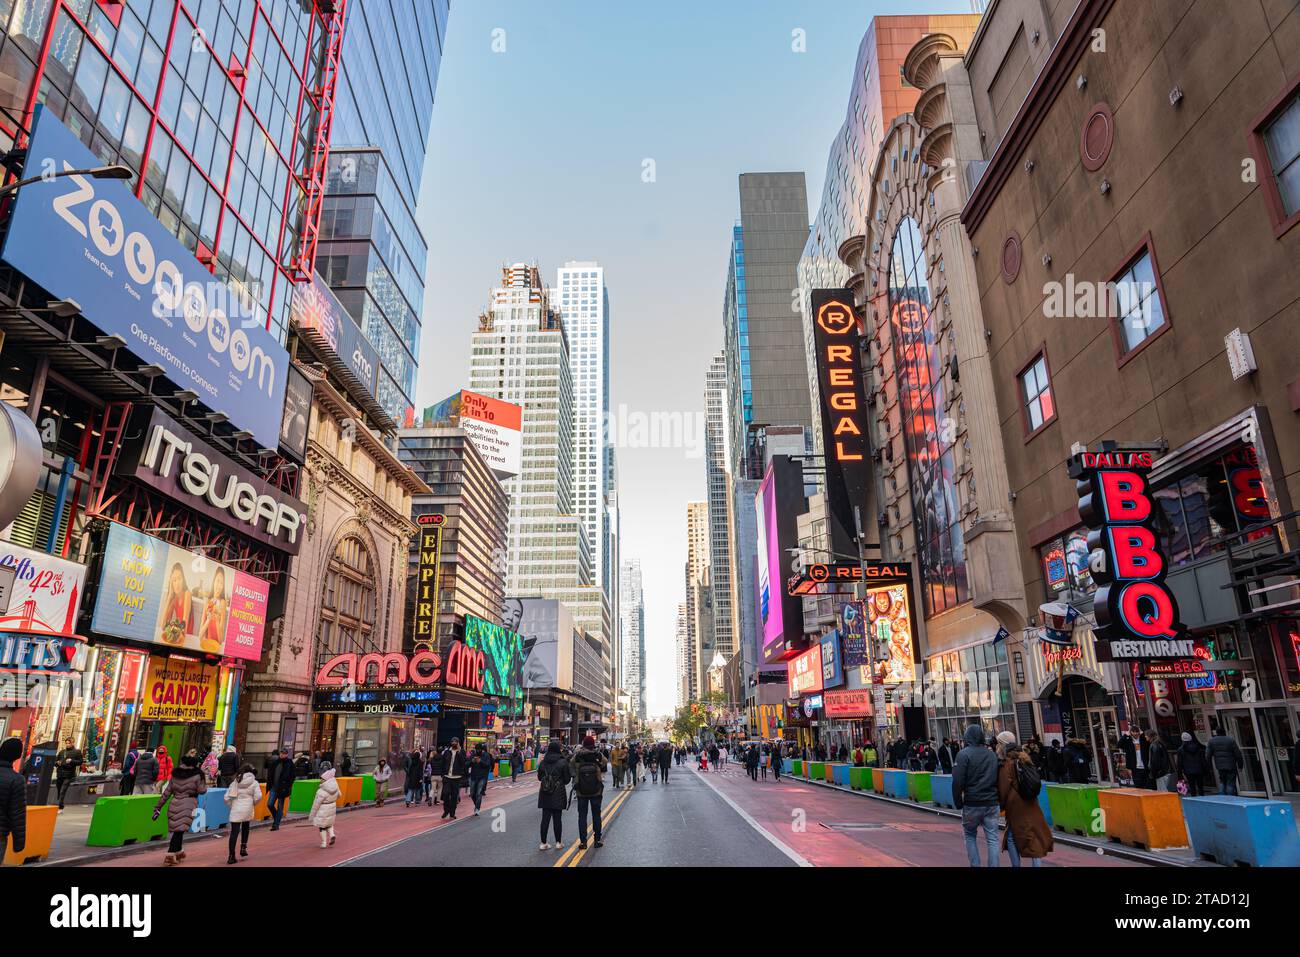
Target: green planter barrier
{"type": "Point", "coordinates": [860, 779]}
{"type": "Point", "coordinates": [1074, 808]}
{"type": "Point", "coordinates": [128, 819]}
{"type": "Point", "coordinates": [918, 786]}
{"type": "Point", "coordinates": [367, 787]}
{"type": "Point", "coordinates": [817, 771]}
{"type": "Point", "coordinates": [796, 767]}
{"type": "Point", "coordinates": [304, 792]}
{"type": "Point", "coordinates": [503, 769]}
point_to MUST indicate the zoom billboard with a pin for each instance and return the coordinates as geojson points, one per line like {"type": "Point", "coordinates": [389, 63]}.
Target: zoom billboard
{"type": "Point", "coordinates": [92, 241]}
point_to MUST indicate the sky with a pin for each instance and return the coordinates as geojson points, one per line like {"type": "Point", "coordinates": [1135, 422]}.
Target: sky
{"type": "Point", "coordinates": [615, 131]}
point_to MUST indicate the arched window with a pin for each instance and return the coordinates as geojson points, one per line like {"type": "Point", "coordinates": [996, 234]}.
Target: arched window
{"type": "Point", "coordinates": [348, 606]}
{"type": "Point", "coordinates": [928, 436]}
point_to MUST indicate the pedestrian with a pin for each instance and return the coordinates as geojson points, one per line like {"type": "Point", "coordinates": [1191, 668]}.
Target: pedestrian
{"type": "Point", "coordinates": [618, 764]}
{"type": "Point", "coordinates": [1160, 769]}
{"type": "Point", "coordinates": [751, 762]}
{"type": "Point", "coordinates": [1027, 834]}
{"type": "Point", "coordinates": [145, 770]}
{"type": "Point", "coordinates": [587, 768]}
{"type": "Point", "coordinates": [426, 778]}
{"type": "Point", "coordinates": [67, 764]}
{"type": "Point", "coordinates": [181, 796]}
{"type": "Point", "coordinates": [652, 764]}
{"type": "Point", "coordinates": [480, 769]}
{"type": "Point", "coordinates": [715, 753]}
{"type": "Point", "coordinates": [1137, 755]}
{"type": "Point", "coordinates": [516, 763]}
{"type": "Point", "coordinates": [302, 767]}
{"type": "Point", "coordinates": [383, 773]}
{"type": "Point", "coordinates": [209, 767]}
{"type": "Point", "coordinates": [165, 768]}
{"type": "Point", "coordinates": [434, 768]}
{"type": "Point", "coordinates": [1078, 761]}
{"type": "Point", "coordinates": [323, 806]}
{"type": "Point", "coordinates": [929, 757]}
{"type": "Point", "coordinates": [279, 787]}
{"type": "Point", "coordinates": [126, 784]}
{"type": "Point", "coordinates": [554, 773]}
{"type": "Point", "coordinates": [665, 760]}
{"type": "Point", "coordinates": [13, 798]}
{"type": "Point", "coordinates": [945, 755]}
{"type": "Point", "coordinates": [704, 759]}
{"type": "Point", "coordinates": [227, 767]}
{"type": "Point", "coordinates": [870, 755]}
{"type": "Point", "coordinates": [414, 784]}
{"type": "Point", "coordinates": [1055, 761]}
{"type": "Point", "coordinates": [345, 766]}
{"type": "Point", "coordinates": [242, 795]}
{"type": "Point", "coordinates": [975, 793]}
{"type": "Point", "coordinates": [633, 758]}
{"type": "Point", "coordinates": [1225, 757]}
{"type": "Point", "coordinates": [454, 769]}
{"type": "Point", "coordinates": [1191, 764]}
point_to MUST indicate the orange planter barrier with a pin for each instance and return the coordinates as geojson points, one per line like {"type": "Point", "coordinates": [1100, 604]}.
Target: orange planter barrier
{"type": "Point", "coordinates": [260, 811]}
{"type": "Point", "coordinates": [1142, 818]}
{"type": "Point", "coordinates": [40, 833]}
{"type": "Point", "coordinates": [349, 791]}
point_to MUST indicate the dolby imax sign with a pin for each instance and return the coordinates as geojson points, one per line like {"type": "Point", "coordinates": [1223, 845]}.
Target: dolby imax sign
{"type": "Point", "coordinates": [161, 454]}
{"type": "Point", "coordinates": [91, 241]}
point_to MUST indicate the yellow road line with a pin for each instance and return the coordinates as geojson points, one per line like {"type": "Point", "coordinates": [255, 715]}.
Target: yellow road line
{"type": "Point", "coordinates": [568, 858]}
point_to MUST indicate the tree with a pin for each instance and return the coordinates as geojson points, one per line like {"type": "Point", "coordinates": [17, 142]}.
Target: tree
{"type": "Point", "coordinates": [696, 715]}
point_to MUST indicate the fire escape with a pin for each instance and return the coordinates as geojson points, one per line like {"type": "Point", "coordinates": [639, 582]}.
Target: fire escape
{"type": "Point", "coordinates": [321, 98]}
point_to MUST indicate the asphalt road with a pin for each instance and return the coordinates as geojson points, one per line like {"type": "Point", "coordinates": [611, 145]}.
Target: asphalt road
{"type": "Point", "coordinates": [682, 823]}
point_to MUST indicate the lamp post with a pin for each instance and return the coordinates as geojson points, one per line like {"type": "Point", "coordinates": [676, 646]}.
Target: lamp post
{"type": "Point", "coordinates": [116, 171]}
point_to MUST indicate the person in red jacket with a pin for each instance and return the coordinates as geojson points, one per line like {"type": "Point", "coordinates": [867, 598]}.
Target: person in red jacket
{"type": "Point", "coordinates": [164, 768]}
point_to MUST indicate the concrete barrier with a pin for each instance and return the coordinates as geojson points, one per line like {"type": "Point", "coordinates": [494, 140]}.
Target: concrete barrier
{"type": "Point", "coordinates": [41, 819]}
{"type": "Point", "coordinates": [368, 789]}
{"type": "Point", "coordinates": [1237, 830]}
{"type": "Point", "coordinates": [918, 786]}
{"type": "Point", "coordinates": [261, 812]}
{"type": "Point", "coordinates": [1138, 817]}
{"type": "Point", "coordinates": [304, 792]}
{"type": "Point", "coordinates": [1075, 808]}
{"type": "Point", "coordinates": [349, 791]}
{"type": "Point", "coordinates": [787, 766]}
{"type": "Point", "coordinates": [213, 811]}
{"type": "Point", "coordinates": [941, 790]}
{"type": "Point", "coordinates": [125, 819]}
{"type": "Point", "coordinates": [896, 783]}
{"type": "Point", "coordinates": [1044, 804]}
{"type": "Point", "coordinates": [878, 780]}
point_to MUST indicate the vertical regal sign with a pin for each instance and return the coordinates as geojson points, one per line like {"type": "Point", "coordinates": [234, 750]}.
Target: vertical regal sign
{"type": "Point", "coordinates": [843, 413]}
{"type": "Point", "coordinates": [1133, 605]}
{"type": "Point", "coordinates": [424, 630]}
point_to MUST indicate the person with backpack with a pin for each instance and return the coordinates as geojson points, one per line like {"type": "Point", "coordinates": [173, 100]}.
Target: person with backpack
{"type": "Point", "coordinates": [587, 767]}
{"type": "Point", "coordinates": [1027, 834]}
{"type": "Point", "coordinates": [126, 784]}
{"type": "Point", "coordinates": [554, 773]}
{"type": "Point", "coordinates": [633, 758]}
{"type": "Point", "coordinates": [975, 793]}
{"type": "Point", "coordinates": [414, 784]}
{"type": "Point", "coordinates": [480, 769]}
{"type": "Point", "coordinates": [1226, 758]}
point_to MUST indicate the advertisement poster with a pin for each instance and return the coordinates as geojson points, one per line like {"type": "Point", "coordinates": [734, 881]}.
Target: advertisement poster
{"type": "Point", "coordinates": [832, 667]}
{"type": "Point", "coordinates": [769, 568]}
{"type": "Point", "coordinates": [46, 593]}
{"type": "Point", "coordinates": [155, 592]}
{"type": "Point", "coordinates": [889, 623]}
{"type": "Point", "coordinates": [496, 429]}
{"type": "Point", "coordinates": [179, 690]}
{"type": "Point", "coordinates": [805, 672]}
{"type": "Point", "coordinates": [853, 634]}
{"type": "Point", "coordinates": [505, 655]}
{"type": "Point", "coordinates": [92, 241]}
{"type": "Point", "coordinates": [317, 311]}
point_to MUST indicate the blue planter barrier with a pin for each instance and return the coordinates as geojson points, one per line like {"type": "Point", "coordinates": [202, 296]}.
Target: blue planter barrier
{"type": "Point", "coordinates": [941, 790]}
{"type": "Point", "coordinates": [786, 766]}
{"type": "Point", "coordinates": [1043, 803]}
{"type": "Point", "coordinates": [896, 783]}
{"type": "Point", "coordinates": [1237, 830]}
{"type": "Point", "coordinates": [213, 811]}
{"type": "Point", "coordinates": [840, 773]}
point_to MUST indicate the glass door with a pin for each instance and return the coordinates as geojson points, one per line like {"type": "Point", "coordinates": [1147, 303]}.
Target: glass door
{"type": "Point", "coordinates": [1276, 739]}
{"type": "Point", "coordinates": [1103, 730]}
{"type": "Point", "coordinates": [1238, 724]}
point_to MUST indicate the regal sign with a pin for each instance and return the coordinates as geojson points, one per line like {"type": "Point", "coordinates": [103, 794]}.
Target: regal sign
{"type": "Point", "coordinates": [843, 413]}
{"type": "Point", "coordinates": [461, 667]}
{"type": "Point", "coordinates": [1135, 610]}
{"type": "Point", "coordinates": [847, 573]}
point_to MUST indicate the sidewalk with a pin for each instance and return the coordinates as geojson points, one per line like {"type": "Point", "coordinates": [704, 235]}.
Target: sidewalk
{"type": "Point", "coordinates": [69, 844]}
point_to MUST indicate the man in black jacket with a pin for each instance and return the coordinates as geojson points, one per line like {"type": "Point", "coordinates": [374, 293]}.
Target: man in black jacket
{"type": "Point", "coordinates": [13, 797]}
{"type": "Point", "coordinates": [279, 786]}
{"type": "Point", "coordinates": [227, 767]}
{"type": "Point", "coordinates": [454, 768]}
{"type": "Point", "coordinates": [67, 764]}
{"type": "Point", "coordinates": [975, 792]}
{"type": "Point", "coordinates": [480, 769]}
{"type": "Point", "coordinates": [1224, 754]}
{"type": "Point", "coordinates": [588, 770]}
{"type": "Point", "coordinates": [1137, 755]}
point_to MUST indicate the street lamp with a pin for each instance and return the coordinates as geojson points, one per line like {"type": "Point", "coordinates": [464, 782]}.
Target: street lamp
{"type": "Point", "coordinates": [117, 171]}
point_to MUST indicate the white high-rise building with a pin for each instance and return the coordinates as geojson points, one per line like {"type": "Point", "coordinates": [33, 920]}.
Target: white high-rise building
{"type": "Point", "coordinates": [521, 353]}
{"type": "Point", "coordinates": [683, 656]}
{"type": "Point", "coordinates": [632, 611]}
{"type": "Point", "coordinates": [718, 475]}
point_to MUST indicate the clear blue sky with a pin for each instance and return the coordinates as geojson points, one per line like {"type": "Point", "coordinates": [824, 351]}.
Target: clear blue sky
{"type": "Point", "coordinates": [537, 153]}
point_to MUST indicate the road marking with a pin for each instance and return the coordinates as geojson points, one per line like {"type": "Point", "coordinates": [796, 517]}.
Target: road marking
{"type": "Point", "coordinates": [787, 851]}
{"type": "Point", "coordinates": [568, 858]}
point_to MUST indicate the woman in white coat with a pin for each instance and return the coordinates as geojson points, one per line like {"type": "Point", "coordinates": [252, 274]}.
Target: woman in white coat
{"type": "Point", "coordinates": [323, 807]}
{"type": "Point", "coordinates": [242, 796]}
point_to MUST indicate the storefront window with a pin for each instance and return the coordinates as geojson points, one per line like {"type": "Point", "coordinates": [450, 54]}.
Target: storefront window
{"type": "Point", "coordinates": [1214, 499]}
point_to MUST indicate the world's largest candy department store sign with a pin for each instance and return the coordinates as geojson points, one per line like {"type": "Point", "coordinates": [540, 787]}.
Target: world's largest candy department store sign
{"type": "Point", "coordinates": [92, 241]}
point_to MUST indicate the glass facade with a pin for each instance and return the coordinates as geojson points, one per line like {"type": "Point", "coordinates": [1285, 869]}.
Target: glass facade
{"type": "Point", "coordinates": [936, 510]}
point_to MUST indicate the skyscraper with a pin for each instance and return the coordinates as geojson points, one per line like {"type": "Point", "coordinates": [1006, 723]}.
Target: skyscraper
{"type": "Point", "coordinates": [632, 635]}
{"type": "Point", "coordinates": [683, 655]}
{"type": "Point", "coordinates": [717, 475]}
{"type": "Point", "coordinates": [699, 598]}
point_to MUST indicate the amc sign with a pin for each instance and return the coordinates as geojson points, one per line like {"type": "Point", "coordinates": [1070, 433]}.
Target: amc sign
{"type": "Point", "coordinates": [463, 668]}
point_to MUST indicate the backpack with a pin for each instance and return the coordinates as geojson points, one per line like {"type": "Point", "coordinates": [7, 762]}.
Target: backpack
{"type": "Point", "coordinates": [588, 784]}
{"type": "Point", "coordinates": [551, 783]}
{"type": "Point", "coordinates": [1028, 780]}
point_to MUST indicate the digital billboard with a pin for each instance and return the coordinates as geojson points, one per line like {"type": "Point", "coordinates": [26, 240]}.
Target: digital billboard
{"type": "Point", "coordinates": [889, 627]}
{"type": "Point", "coordinates": [496, 429]}
{"type": "Point", "coordinates": [804, 673]}
{"type": "Point", "coordinates": [46, 594]}
{"type": "Point", "coordinates": [504, 651]}
{"type": "Point", "coordinates": [154, 592]}
{"type": "Point", "coordinates": [91, 241]}
{"type": "Point", "coordinates": [778, 504]}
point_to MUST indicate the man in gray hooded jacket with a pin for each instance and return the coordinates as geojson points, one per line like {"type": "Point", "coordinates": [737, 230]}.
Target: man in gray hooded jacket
{"type": "Point", "coordinates": [975, 792]}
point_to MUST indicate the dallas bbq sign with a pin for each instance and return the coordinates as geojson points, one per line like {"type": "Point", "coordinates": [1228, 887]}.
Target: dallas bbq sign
{"type": "Point", "coordinates": [461, 667]}
{"type": "Point", "coordinates": [1135, 610]}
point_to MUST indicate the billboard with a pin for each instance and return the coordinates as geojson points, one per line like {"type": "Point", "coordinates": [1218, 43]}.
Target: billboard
{"type": "Point", "coordinates": [496, 429]}
{"type": "Point", "coordinates": [504, 651]}
{"type": "Point", "coordinates": [178, 689]}
{"type": "Point", "coordinates": [854, 703]}
{"type": "Point", "coordinates": [424, 615]}
{"type": "Point", "coordinates": [843, 414]}
{"type": "Point", "coordinates": [547, 634]}
{"type": "Point", "coordinates": [778, 504]}
{"type": "Point", "coordinates": [297, 415]}
{"type": "Point", "coordinates": [153, 592]}
{"type": "Point", "coordinates": [160, 453]}
{"type": "Point", "coordinates": [93, 242]}
{"type": "Point", "coordinates": [853, 634]}
{"type": "Point", "coordinates": [316, 311]}
{"type": "Point", "coordinates": [832, 664]}
{"type": "Point", "coordinates": [889, 627]}
{"type": "Point", "coordinates": [46, 594]}
{"type": "Point", "coordinates": [804, 673]}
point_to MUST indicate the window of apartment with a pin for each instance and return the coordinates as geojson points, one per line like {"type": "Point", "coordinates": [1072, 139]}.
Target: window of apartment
{"type": "Point", "coordinates": [1139, 302]}
{"type": "Point", "coordinates": [1038, 408]}
{"type": "Point", "coordinates": [1275, 137]}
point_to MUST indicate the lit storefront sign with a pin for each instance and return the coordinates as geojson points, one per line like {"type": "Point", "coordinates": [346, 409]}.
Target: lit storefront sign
{"type": "Point", "coordinates": [804, 673]}
{"type": "Point", "coordinates": [91, 241]}
{"type": "Point", "coordinates": [1137, 615]}
{"type": "Point", "coordinates": [179, 690]}
{"type": "Point", "coordinates": [855, 703]}
{"type": "Point", "coordinates": [873, 572]}
{"type": "Point", "coordinates": [461, 667]}
{"type": "Point", "coordinates": [46, 593]}
{"type": "Point", "coordinates": [318, 316]}
{"type": "Point", "coordinates": [51, 655]}
{"type": "Point", "coordinates": [165, 456]}
{"type": "Point", "coordinates": [424, 622]}
{"type": "Point", "coordinates": [155, 592]}
{"type": "Point", "coordinates": [889, 625]}
{"type": "Point", "coordinates": [843, 413]}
